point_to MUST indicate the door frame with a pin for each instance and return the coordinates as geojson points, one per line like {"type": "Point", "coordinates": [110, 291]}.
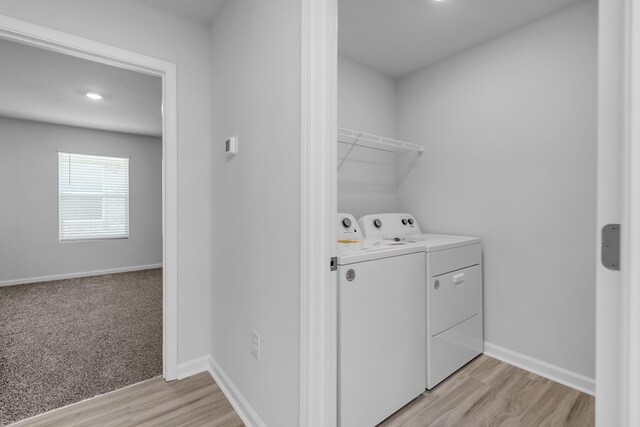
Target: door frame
{"type": "Point", "coordinates": [618, 292]}
{"type": "Point", "coordinates": [318, 292]}
{"type": "Point", "coordinates": [630, 262]}
{"type": "Point", "coordinates": [56, 41]}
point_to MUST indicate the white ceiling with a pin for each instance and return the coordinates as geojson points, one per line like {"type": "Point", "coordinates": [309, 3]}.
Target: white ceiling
{"type": "Point", "coordinates": [395, 37]}
{"type": "Point", "coordinates": [203, 11]}
{"type": "Point", "coordinates": [45, 86]}
{"type": "Point", "coordinates": [398, 37]}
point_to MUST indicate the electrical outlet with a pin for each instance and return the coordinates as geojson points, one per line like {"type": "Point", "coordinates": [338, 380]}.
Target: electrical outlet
{"type": "Point", "coordinates": [255, 344]}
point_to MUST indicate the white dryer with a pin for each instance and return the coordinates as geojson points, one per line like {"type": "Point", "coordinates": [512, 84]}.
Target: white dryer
{"type": "Point", "coordinates": [454, 320]}
{"type": "Point", "coordinates": [381, 305]}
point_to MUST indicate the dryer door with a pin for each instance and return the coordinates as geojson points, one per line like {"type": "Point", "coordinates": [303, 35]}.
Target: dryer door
{"type": "Point", "coordinates": [454, 297]}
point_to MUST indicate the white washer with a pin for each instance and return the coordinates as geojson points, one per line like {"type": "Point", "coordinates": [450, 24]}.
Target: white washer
{"type": "Point", "coordinates": [454, 320]}
{"type": "Point", "coordinates": [381, 305]}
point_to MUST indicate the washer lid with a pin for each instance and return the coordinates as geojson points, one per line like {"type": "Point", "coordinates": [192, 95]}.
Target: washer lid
{"type": "Point", "coordinates": [372, 249]}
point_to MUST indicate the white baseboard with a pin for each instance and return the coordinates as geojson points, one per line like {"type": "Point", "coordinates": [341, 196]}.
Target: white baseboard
{"type": "Point", "coordinates": [242, 407]}
{"type": "Point", "coordinates": [192, 367]}
{"type": "Point", "coordinates": [13, 282]}
{"type": "Point", "coordinates": [544, 369]}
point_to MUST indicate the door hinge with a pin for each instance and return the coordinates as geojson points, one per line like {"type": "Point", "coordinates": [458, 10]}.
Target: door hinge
{"type": "Point", "coordinates": [611, 246]}
{"type": "Point", "coordinates": [333, 263]}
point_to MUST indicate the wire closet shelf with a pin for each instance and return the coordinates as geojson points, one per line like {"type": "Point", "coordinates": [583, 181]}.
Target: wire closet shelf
{"type": "Point", "coordinates": [407, 153]}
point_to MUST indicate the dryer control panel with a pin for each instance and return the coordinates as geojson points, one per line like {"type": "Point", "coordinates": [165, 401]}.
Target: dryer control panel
{"type": "Point", "coordinates": [388, 225]}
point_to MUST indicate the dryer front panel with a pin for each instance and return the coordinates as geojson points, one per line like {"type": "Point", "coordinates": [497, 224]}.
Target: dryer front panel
{"type": "Point", "coordinates": [454, 297]}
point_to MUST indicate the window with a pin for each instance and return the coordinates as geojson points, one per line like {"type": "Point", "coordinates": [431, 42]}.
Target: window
{"type": "Point", "coordinates": [93, 195]}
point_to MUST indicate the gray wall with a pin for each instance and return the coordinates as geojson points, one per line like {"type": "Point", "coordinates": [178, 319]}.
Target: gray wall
{"type": "Point", "coordinates": [137, 27]}
{"type": "Point", "coordinates": [29, 246]}
{"type": "Point", "coordinates": [366, 103]}
{"type": "Point", "coordinates": [509, 130]}
{"type": "Point", "coordinates": [256, 95]}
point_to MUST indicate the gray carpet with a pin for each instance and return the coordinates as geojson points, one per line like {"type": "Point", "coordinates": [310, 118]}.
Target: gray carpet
{"type": "Point", "coordinates": [69, 340]}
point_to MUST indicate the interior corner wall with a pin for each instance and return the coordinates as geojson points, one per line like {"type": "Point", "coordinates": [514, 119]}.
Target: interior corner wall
{"type": "Point", "coordinates": [509, 130]}
{"type": "Point", "coordinates": [366, 103]}
{"type": "Point", "coordinates": [256, 75]}
{"type": "Point", "coordinates": [134, 26]}
{"type": "Point", "coordinates": [30, 247]}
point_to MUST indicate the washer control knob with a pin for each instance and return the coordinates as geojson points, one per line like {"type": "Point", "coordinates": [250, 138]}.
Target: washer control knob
{"type": "Point", "coordinates": [346, 223]}
{"type": "Point", "coordinates": [377, 223]}
{"type": "Point", "coordinates": [404, 221]}
{"type": "Point", "coordinates": [410, 221]}
{"type": "Point", "coordinates": [437, 284]}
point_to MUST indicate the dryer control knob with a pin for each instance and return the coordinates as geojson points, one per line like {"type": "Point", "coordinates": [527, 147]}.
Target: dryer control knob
{"type": "Point", "coordinates": [411, 221]}
{"type": "Point", "coordinates": [346, 223]}
{"type": "Point", "coordinates": [404, 221]}
{"type": "Point", "coordinates": [377, 223]}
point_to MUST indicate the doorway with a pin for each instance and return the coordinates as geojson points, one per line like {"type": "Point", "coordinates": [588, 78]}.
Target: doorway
{"type": "Point", "coordinates": [14, 31]}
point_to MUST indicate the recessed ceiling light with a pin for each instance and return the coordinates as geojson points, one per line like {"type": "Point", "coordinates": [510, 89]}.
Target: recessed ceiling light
{"type": "Point", "coordinates": [94, 96]}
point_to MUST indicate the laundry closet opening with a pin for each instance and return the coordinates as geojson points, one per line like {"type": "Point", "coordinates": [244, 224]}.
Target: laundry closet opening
{"type": "Point", "coordinates": [466, 163]}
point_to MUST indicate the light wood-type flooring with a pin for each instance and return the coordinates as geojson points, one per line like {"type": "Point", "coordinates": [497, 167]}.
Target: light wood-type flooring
{"type": "Point", "coordinates": [193, 401]}
{"type": "Point", "coordinates": [486, 392]}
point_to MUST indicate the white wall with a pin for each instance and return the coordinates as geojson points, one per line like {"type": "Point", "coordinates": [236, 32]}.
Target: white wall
{"type": "Point", "coordinates": [366, 103]}
{"type": "Point", "coordinates": [256, 95]}
{"type": "Point", "coordinates": [134, 26]}
{"type": "Point", "coordinates": [366, 99]}
{"type": "Point", "coordinates": [509, 130]}
{"type": "Point", "coordinates": [29, 246]}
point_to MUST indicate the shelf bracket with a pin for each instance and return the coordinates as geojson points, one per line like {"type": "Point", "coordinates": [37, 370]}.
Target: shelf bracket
{"type": "Point", "coordinates": [346, 156]}
{"type": "Point", "coordinates": [406, 170]}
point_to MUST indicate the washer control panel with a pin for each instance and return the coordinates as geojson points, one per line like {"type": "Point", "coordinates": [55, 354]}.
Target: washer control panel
{"type": "Point", "coordinates": [388, 225]}
{"type": "Point", "coordinates": [347, 227]}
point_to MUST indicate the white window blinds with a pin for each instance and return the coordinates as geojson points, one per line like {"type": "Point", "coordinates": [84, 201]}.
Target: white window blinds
{"type": "Point", "coordinates": [93, 197]}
